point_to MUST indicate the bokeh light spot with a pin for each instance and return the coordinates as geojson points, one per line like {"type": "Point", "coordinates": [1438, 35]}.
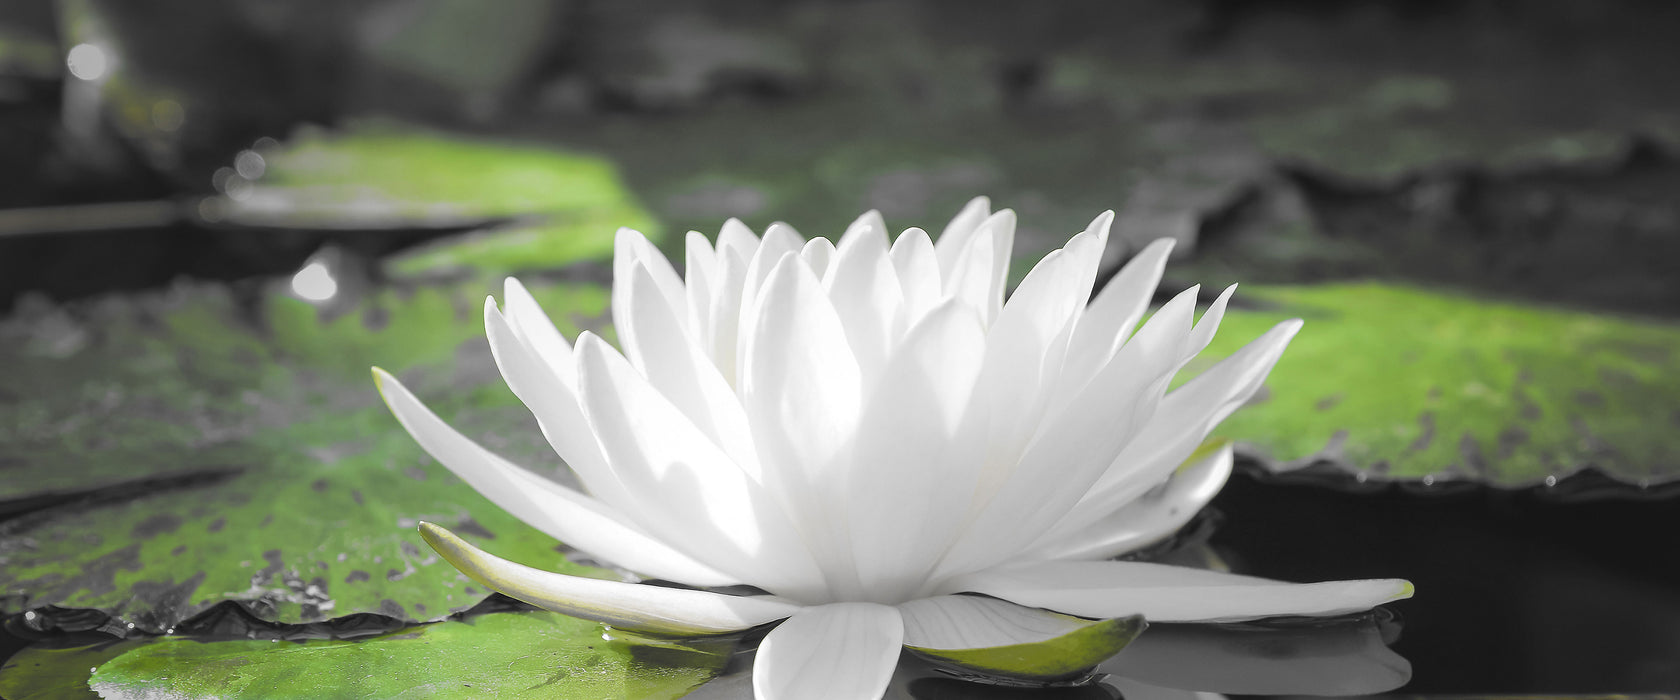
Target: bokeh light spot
{"type": "Point", "coordinates": [88, 62]}
{"type": "Point", "coordinates": [314, 283]}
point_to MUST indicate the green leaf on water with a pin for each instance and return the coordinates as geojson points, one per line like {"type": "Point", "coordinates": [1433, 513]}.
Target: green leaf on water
{"type": "Point", "coordinates": [528, 655]}
{"type": "Point", "coordinates": [1403, 383]}
{"type": "Point", "coordinates": [176, 449]}
{"type": "Point", "coordinates": [378, 175]}
{"type": "Point", "coordinates": [208, 453]}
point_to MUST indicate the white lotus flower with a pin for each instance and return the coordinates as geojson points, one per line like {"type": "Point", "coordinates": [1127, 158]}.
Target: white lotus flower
{"type": "Point", "coordinates": [867, 433]}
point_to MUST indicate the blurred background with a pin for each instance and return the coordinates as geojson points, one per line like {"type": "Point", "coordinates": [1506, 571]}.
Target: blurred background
{"type": "Point", "coordinates": [1508, 166]}
{"type": "Point", "coordinates": [1518, 147]}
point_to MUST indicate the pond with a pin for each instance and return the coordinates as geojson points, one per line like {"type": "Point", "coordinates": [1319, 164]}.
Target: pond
{"type": "Point", "coordinates": [203, 250]}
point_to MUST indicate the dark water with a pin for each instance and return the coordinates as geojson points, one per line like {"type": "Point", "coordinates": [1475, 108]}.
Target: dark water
{"type": "Point", "coordinates": [1517, 592]}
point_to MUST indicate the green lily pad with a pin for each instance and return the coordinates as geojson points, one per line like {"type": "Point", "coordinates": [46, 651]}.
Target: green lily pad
{"type": "Point", "coordinates": [1057, 659]}
{"type": "Point", "coordinates": [169, 451]}
{"type": "Point", "coordinates": [203, 453]}
{"type": "Point", "coordinates": [381, 175]}
{"type": "Point", "coordinates": [1401, 383]}
{"type": "Point", "coordinates": [533, 655]}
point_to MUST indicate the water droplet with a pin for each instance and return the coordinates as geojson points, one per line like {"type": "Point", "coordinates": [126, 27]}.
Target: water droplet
{"type": "Point", "coordinates": [1428, 480]}
{"type": "Point", "coordinates": [88, 62]}
{"type": "Point", "coordinates": [1551, 481]}
{"type": "Point", "coordinates": [315, 283]}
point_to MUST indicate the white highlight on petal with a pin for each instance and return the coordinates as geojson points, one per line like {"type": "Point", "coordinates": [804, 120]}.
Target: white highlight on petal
{"type": "Point", "coordinates": [840, 651]}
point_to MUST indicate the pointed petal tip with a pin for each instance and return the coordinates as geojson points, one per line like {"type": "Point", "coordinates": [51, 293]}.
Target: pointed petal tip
{"type": "Point", "coordinates": [1164, 246]}
{"type": "Point", "coordinates": [1102, 223]}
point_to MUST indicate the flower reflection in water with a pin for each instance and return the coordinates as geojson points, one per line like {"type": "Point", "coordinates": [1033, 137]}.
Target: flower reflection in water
{"type": "Point", "coordinates": [865, 434]}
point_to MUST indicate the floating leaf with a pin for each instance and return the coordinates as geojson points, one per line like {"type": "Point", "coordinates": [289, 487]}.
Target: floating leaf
{"type": "Point", "coordinates": [1401, 383]}
{"type": "Point", "coordinates": [197, 452]}
{"type": "Point", "coordinates": [530, 655]}
{"type": "Point", "coordinates": [380, 175]}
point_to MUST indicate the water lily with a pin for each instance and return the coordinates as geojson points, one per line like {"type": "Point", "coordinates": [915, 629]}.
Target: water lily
{"type": "Point", "coordinates": [879, 449]}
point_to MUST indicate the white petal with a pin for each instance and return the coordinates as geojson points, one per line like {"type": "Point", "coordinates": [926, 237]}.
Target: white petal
{"type": "Point", "coordinates": [737, 240]}
{"type": "Point", "coordinates": [559, 512]}
{"type": "Point", "coordinates": [869, 223]}
{"type": "Point", "coordinates": [1154, 516]}
{"type": "Point", "coordinates": [725, 316]}
{"type": "Point", "coordinates": [1090, 254]}
{"type": "Point", "coordinates": [701, 277]}
{"type": "Point", "coordinates": [535, 327]}
{"type": "Point", "coordinates": [1075, 446]}
{"type": "Point", "coordinates": [1163, 593]}
{"type": "Point", "coordinates": [958, 233]}
{"type": "Point", "coordinates": [819, 256]}
{"type": "Point", "coordinates": [910, 478]}
{"type": "Point", "coordinates": [779, 240]}
{"type": "Point", "coordinates": [918, 273]}
{"type": "Point", "coordinates": [970, 279]}
{"type": "Point", "coordinates": [802, 391]}
{"type": "Point", "coordinates": [865, 293]}
{"type": "Point", "coordinates": [633, 606]}
{"type": "Point", "coordinates": [679, 369]}
{"type": "Point", "coordinates": [554, 404]}
{"type": "Point", "coordinates": [629, 248]}
{"type": "Point", "coordinates": [801, 385]}
{"type": "Point", "coordinates": [1117, 309]}
{"type": "Point", "coordinates": [1020, 357]}
{"type": "Point", "coordinates": [1208, 325]}
{"type": "Point", "coordinates": [1001, 226]}
{"type": "Point", "coordinates": [975, 622]}
{"type": "Point", "coordinates": [841, 651]}
{"type": "Point", "coordinates": [695, 497]}
{"type": "Point", "coordinates": [1185, 418]}
{"type": "Point", "coordinates": [698, 254]}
